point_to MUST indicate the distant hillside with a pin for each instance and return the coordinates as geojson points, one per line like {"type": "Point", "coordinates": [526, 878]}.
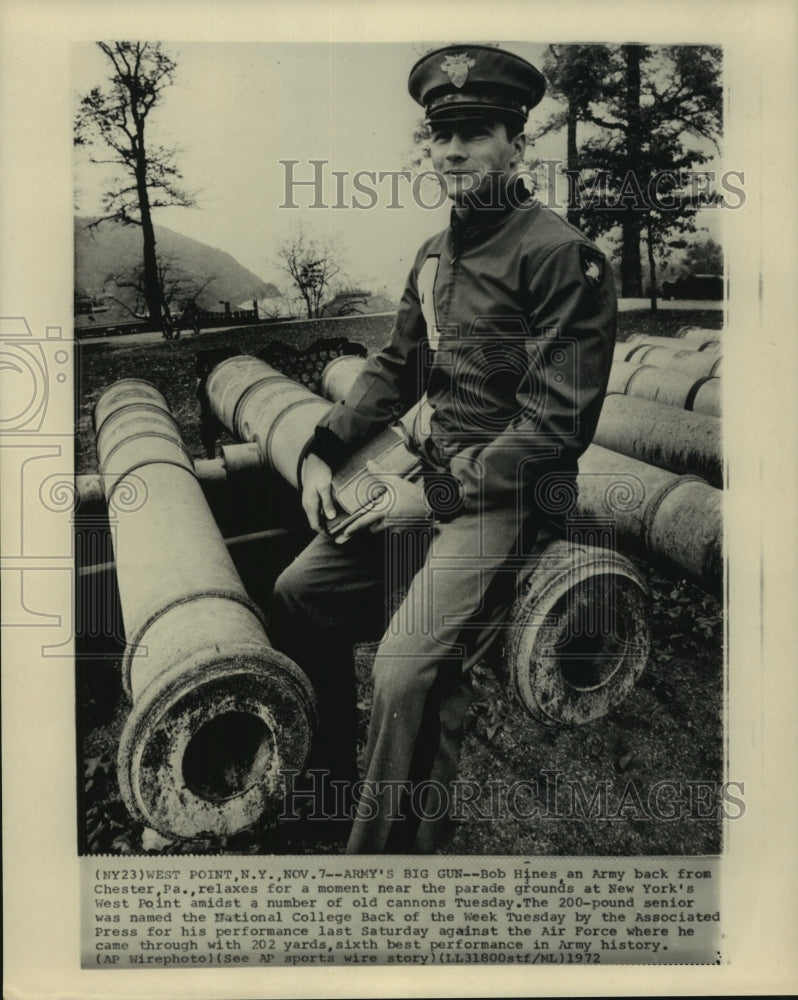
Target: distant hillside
{"type": "Point", "coordinates": [113, 249]}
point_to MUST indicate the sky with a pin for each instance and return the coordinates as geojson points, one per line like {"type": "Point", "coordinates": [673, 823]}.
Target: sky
{"type": "Point", "coordinates": [236, 110]}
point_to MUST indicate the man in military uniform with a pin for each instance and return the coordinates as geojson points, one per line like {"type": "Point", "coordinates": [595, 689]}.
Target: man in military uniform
{"type": "Point", "coordinates": [507, 323]}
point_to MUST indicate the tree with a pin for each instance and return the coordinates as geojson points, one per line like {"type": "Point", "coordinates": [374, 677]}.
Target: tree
{"type": "Point", "coordinates": [179, 291]}
{"type": "Point", "coordinates": [312, 267]}
{"type": "Point", "coordinates": [643, 109]}
{"type": "Point", "coordinates": [575, 74]}
{"type": "Point", "coordinates": [347, 302]}
{"type": "Point", "coordinates": [704, 257]}
{"type": "Point", "coordinates": [278, 306]}
{"type": "Point", "coordinates": [115, 118]}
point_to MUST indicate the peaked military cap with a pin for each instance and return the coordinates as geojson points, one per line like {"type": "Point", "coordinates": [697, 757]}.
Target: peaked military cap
{"type": "Point", "coordinates": [474, 81]}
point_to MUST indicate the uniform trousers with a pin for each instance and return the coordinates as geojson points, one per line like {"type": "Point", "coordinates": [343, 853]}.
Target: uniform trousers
{"type": "Point", "coordinates": [461, 581]}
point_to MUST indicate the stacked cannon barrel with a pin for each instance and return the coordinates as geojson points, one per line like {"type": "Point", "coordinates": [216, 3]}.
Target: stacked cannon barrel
{"type": "Point", "coordinates": [655, 468]}
{"type": "Point", "coordinates": [307, 367]}
{"type": "Point", "coordinates": [692, 363]}
{"type": "Point", "coordinates": [579, 636]}
{"type": "Point", "coordinates": [217, 712]}
{"type": "Point", "coordinates": [659, 436]}
{"type": "Point", "coordinates": [653, 474]}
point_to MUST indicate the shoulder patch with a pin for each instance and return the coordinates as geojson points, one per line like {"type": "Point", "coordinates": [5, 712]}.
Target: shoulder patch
{"type": "Point", "coordinates": [592, 265]}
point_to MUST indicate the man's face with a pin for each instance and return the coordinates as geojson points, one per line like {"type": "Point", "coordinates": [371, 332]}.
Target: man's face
{"type": "Point", "coordinates": [470, 156]}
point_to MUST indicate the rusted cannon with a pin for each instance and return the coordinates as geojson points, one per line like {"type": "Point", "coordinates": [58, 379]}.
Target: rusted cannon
{"type": "Point", "coordinates": [217, 712]}
{"type": "Point", "coordinates": [209, 472]}
{"type": "Point", "coordinates": [679, 389]}
{"type": "Point", "coordinates": [684, 442]}
{"type": "Point", "coordinates": [672, 521]}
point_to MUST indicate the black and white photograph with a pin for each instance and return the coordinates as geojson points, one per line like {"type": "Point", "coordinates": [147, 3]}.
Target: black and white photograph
{"type": "Point", "coordinates": [386, 486]}
{"type": "Point", "coordinates": [534, 553]}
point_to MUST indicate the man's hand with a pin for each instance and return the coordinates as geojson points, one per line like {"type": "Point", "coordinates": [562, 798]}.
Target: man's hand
{"type": "Point", "coordinates": [317, 501]}
{"type": "Point", "coordinates": [395, 499]}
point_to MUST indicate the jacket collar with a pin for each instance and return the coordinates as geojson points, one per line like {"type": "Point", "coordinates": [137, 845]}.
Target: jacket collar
{"type": "Point", "coordinates": [492, 208]}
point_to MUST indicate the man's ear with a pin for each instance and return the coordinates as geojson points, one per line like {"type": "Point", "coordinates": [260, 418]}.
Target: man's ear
{"type": "Point", "coordinates": [518, 142]}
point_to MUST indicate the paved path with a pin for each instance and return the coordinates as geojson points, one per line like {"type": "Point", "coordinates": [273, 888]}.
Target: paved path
{"type": "Point", "coordinates": [154, 337]}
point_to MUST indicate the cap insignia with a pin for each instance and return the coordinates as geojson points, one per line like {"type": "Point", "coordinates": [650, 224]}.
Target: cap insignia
{"type": "Point", "coordinates": [457, 67]}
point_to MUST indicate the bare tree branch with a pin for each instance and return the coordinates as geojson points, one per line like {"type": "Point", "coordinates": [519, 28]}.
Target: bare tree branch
{"type": "Point", "coordinates": [312, 267]}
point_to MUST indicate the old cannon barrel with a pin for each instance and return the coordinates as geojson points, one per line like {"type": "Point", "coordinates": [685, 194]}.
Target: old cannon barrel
{"type": "Point", "coordinates": [680, 389]}
{"type": "Point", "coordinates": [674, 344]}
{"type": "Point", "coordinates": [242, 374]}
{"type": "Point", "coordinates": [254, 402]}
{"type": "Point", "coordinates": [624, 351]}
{"type": "Point", "coordinates": [698, 337]}
{"type": "Point", "coordinates": [707, 395]}
{"type": "Point", "coordinates": [217, 712]}
{"type": "Point", "coordinates": [578, 638]}
{"type": "Point", "coordinates": [236, 471]}
{"type": "Point", "coordinates": [582, 675]}
{"type": "Point", "coordinates": [674, 522]}
{"type": "Point", "coordinates": [684, 442]}
{"type": "Point", "coordinates": [695, 362]}
{"type": "Point", "coordinates": [339, 375]}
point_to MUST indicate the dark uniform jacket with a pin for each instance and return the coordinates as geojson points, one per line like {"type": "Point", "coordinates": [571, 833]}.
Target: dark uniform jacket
{"type": "Point", "coordinates": [507, 322]}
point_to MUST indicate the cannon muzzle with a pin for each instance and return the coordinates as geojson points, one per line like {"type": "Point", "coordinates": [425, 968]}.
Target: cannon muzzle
{"type": "Point", "coordinates": [217, 712]}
